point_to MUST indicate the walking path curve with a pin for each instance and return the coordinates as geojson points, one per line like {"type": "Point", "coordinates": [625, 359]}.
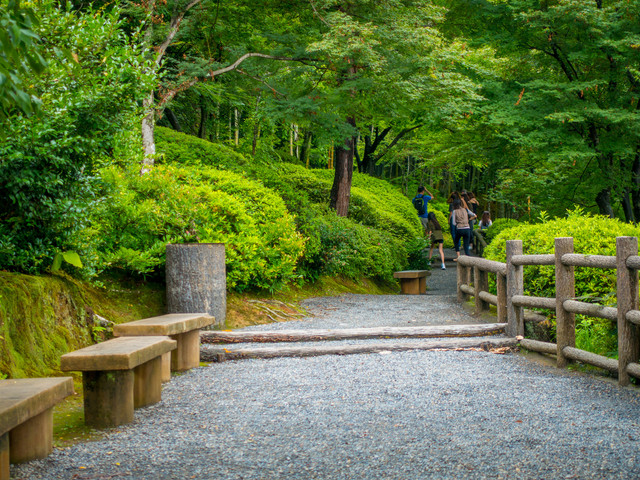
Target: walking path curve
{"type": "Point", "coordinates": [390, 415]}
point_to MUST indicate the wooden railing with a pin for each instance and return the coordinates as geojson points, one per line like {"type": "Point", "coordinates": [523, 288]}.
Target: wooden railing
{"type": "Point", "coordinates": [511, 301]}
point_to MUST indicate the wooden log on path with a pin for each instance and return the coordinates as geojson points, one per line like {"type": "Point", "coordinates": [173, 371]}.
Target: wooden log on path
{"type": "Point", "coordinates": [219, 354]}
{"type": "Point", "coordinates": [434, 331]}
{"type": "Point", "coordinates": [537, 346]}
{"type": "Point", "coordinates": [589, 358]}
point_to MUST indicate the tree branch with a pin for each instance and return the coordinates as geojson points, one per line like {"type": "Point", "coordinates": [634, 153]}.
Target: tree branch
{"type": "Point", "coordinates": [396, 140]}
{"type": "Point", "coordinates": [174, 26]}
{"type": "Point", "coordinates": [170, 94]}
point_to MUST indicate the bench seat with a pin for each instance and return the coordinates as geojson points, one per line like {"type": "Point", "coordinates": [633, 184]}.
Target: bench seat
{"type": "Point", "coordinates": [182, 327]}
{"type": "Point", "coordinates": [26, 418]}
{"type": "Point", "coordinates": [412, 282]}
{"type": "Point", "coordinates": [119, 375]}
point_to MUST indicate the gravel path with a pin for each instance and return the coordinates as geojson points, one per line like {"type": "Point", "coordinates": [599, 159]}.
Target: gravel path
{"type": "Point", "coordinates": [409, 415]}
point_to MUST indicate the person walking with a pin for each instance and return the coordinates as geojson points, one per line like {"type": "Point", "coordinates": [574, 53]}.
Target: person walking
{"type": "Point", "coordinates": [421, 204]}
{"type": "Point", "coordinates": [461, 216]}
{"type": "Point", "coordinates": [435, 231]}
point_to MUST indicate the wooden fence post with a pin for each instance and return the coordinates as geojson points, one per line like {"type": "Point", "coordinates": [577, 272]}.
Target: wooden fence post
{"type": "Point", "coordinates": [480, 284]}
{"type": "Point", "coordinates": [515, 286]}
{"type": "Point", "coordinates": [565, 290]}
{"type": "Point", "coordinates": [462, 279]}
{"type": "Point", "coordinates": [501, 284]}
{"type": "Point", "coordinates": [627, 292]}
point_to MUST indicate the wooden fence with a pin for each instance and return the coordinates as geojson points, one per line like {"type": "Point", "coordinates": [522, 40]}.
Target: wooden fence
{"type": "Point", "coordinates": [473, 281]}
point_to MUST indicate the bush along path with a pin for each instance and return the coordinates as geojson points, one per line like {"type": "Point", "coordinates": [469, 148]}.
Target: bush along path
{"type": "Point", "coordinates": [387, 415]}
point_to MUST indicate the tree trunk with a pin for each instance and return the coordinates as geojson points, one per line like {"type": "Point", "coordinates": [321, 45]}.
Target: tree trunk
{"type": "Point", "coordinates": [172, 119]}
{"type": "Point", "coordinates": [603, 199]}
{"type": "Point", "coordinates": [627, 207]}
{"type": "Point", "coordinates": [148, 138]}
{"type": "Point", "coordinates": [202, 130]}
{"type": "Point", "coordinates": [341, 189]}
{"type": "Point", "coordinates": [635, 180]}
{"type": "Point", "coordinates": [306, 147]}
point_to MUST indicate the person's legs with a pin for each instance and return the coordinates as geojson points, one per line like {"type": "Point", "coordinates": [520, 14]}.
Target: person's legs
{"type": "Point", "coordinates": [456, 241]}
{"type": "Point", "coordinates": [431, 252]}
{"type": "Point", "coordinates": [465, 241]}
{"type": "Point", "coordinates": [440, 247]}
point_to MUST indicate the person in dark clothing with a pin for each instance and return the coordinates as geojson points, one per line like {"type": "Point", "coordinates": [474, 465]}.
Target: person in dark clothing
{"type": "Point", "coordinates": [423, 197]}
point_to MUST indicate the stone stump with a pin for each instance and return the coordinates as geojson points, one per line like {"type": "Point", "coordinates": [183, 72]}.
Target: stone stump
{"type": "Point", "coordinates": [197, 280]}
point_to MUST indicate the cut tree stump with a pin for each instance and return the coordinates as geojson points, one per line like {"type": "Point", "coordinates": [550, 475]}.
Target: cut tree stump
{"type": "Point", "coordinates": [435, 331]}
{"type": "Point", "coordinates": [197, 280]}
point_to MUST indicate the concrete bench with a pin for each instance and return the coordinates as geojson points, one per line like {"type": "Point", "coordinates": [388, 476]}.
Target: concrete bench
{"type": "Point", "coordinates": [119, 375]}
{"type": "Point", "coordinates": [26, 418]}
{"type": "Point", "coordinates": [412, 282]}
{"type": "Point", "coordinates": [184, 328]}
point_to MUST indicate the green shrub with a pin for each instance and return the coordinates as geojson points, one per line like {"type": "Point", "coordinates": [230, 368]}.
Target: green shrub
{"type": "Point", "coordinates": [175, 147]}
{"type": "Point", "coordinates": [178, 205]}
{"type": "Point", "coordinates": [380, 218]}
{"type": "Point", "coordinates": [592, 235]}
{"type": "Point", "coordinates": [356, 251]}
{"type": "Point", "coordinates": [498, 226]}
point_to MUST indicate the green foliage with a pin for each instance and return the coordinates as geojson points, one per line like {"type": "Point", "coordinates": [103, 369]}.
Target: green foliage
{"type": "Point", "coordinates": [498, 226]}
{"type": "Point", "coordinates": [196, 204]}
{"type": "Point", "coordinates": [90, 95]}
{"type": "Point", "coordinates": [382, 227]}
{"type": "Point", "coordinates": [20, 58]}
{"type": "Point", "coordinates": [592, 235]}
{"type": "Point", "coordinates": [357, 251]}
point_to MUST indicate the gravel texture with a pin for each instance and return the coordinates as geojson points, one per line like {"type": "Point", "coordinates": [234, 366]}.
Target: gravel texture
{"type": "Point", "coordinates": [408, 415]}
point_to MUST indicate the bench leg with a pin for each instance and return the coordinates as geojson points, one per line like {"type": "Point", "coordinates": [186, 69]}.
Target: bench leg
{"type": "Point", "coordinates": [4, 456]}
{"type": "Point", "coordinates": [32, 439]}
{"type": "Point", "coordinates": [187, 353]}
{"type": "Point", "coordinates": [147, 385]}
{"type": "Point", "coordinates": [108, 398]}
{"type": "Point", "coordinates": [166, 367]}
{"type": "Point", "coordinates": [410, 286]}
{"type": "Point", "coordinates": [423, 285]}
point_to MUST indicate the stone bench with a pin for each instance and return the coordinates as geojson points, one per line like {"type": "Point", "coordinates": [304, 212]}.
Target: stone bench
{"type": "Point", "coordinates": [412, 282]}
{"type": "Point", "coordinates": [119, 375]}
{"type": "Point", "coordinates": [184, 328]}
{"type": "Point", "coordinates": [26, 418]}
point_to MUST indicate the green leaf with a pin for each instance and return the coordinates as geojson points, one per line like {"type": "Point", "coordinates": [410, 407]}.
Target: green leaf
{"type": "Point", "coordinates": [73, 258]}
{"type": "Point", "coordinates": [57, 262]}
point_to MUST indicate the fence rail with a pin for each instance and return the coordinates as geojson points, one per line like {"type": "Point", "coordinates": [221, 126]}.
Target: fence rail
{"type": "Point", "coordinates": [510, 299]}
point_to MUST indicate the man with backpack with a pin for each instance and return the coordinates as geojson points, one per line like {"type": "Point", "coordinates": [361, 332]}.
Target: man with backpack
{"type": "Point", "coordinates": [420, 202]}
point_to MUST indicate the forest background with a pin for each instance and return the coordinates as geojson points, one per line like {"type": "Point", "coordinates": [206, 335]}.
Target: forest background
{"type": "Point", "coordinates": [297, 131]}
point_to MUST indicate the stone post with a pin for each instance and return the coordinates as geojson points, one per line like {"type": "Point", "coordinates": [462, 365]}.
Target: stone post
{"type": "Point", "coordinates": [197, 280]}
